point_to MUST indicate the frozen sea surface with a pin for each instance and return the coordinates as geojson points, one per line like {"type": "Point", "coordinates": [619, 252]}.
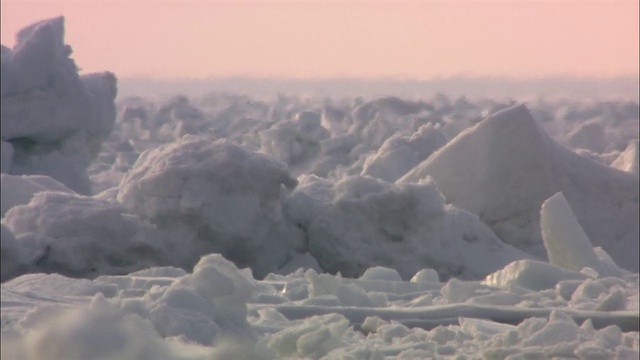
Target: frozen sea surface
{"type": "Point", "coordinates": [224, 226]}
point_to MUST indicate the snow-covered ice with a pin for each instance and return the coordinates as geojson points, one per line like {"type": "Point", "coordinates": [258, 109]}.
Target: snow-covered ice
{"type": "Point", "coordinates": [82, 236]}
{"type": "Point", "coordinates": [503, 169]}
{"type": "Point", "coordinates": [18, 190]}
{"type": "Point", "coordinates": [219, 308]}
{"type": "Point", "coordinates": [229, 227]}
{"type": "Point", "coordinates": [54, 119]}
{"type": "Point", "coordinates": [360, 222]}
{"type": "Point", "coordinates": [566, 243]}
{"type": "Point", "coordinates": [215, 197]}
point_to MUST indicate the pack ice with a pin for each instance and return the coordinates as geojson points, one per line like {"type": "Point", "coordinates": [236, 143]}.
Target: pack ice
{"type": "Point", "coordinates": [53, 120]}
{"type": "Point", "coordinates": [505, 167]}
{"type": "Point", "coordinates": [235, 228]}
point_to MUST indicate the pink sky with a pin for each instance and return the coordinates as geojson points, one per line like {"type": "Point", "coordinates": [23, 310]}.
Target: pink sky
{"type": "Point", "coordinates": [318, 39]}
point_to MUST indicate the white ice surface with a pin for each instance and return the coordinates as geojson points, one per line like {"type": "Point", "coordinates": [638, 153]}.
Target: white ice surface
{"type": "Point", "coordinates": [566, 243]}
{"type": "Point", "coordinates": [504, 168]}
{"type": "Point", "coordinates": [167, 313]}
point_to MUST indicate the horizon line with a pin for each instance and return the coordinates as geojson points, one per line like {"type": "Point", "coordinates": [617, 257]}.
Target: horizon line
{"type": "Point", "coordinates": [627, 77]}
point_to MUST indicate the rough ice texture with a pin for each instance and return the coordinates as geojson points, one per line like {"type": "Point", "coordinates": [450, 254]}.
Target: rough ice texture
{"type": "Point", "coordinates": [54, 119]}
{"type": "Point", "coordinates": [295, 142]}
{"type": "Point", "coordinates": [399, 154]}
{"type": "Point", "coordinates": [18, 190]}
{"type": "Point", "coordinates": [44, 100]}
{"type": "Point", "coordinates": [216, 197]}
{"type": "Point", "coordinates": [102, 89]}
{"type": "Point", "coordinates": [504, 168]}
{"type": "Point", "coordinates": [216, 293]}
{"type": "Point", "coordinates": [96, 331]}
{"type": "Point", "coordinates": [84, 237]}
{"type": "Point", "coordinates": [218, 311]}
{"type": "Point", "coordinates": [360, 222]}
{"type": "Point", "coordinates": [120, 319]}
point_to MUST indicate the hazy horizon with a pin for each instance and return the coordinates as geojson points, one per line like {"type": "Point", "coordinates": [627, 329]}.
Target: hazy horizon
{"type": "Point", "coordinates": [602, 89]}
{"type": "Point", "coordinates": [316, 40]}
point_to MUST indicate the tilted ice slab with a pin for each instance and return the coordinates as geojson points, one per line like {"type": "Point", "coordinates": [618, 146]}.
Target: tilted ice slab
{"type": "Point", "coordinates": [628, 160]}
{"type": "Point", "coordinates": [505, 167]}
{"type": "Point", "coordinates": [566, 243]}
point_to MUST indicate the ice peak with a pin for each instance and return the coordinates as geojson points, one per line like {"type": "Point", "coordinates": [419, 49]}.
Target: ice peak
{"type": "Point", "coordinates": [57, 26]}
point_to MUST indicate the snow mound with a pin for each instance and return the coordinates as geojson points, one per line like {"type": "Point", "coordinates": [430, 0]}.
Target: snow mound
{"type": "Point", "coordinates": [97, 331]}
{"type": "Point", "coordinates": [399, 154]}
{"type": "Point", "coordinates": [387, 107]}
{"type": "Point", "coordinates": [361, 222]}
{"type": "Point", "coordinates": [203, 305]}
{"type": "Point", "coordinates": [216, 197]}
{"type": "Point", "coordinates": [18, 190]}
{"type": "Point", "coordinates": [381, 273]}
{"type": "Point", "coordinates": [54, 120]}
{"type": "Point", "coordinates": [313, 338]}
{"type": "Point", "coordinates": [589, 135]}
{"type": "Point", "coordinates": [123, 318]}
{"type": "Point", "coordinates": [532, 275]}
{"type": "Point", "coordinates": [295, 142]}
{"type": "Point", "coordinates": [216, 292]}
{"type": "Point", "coordinates": [506, 166]}
{"type": "Point", "coordinates": [84, 237]}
